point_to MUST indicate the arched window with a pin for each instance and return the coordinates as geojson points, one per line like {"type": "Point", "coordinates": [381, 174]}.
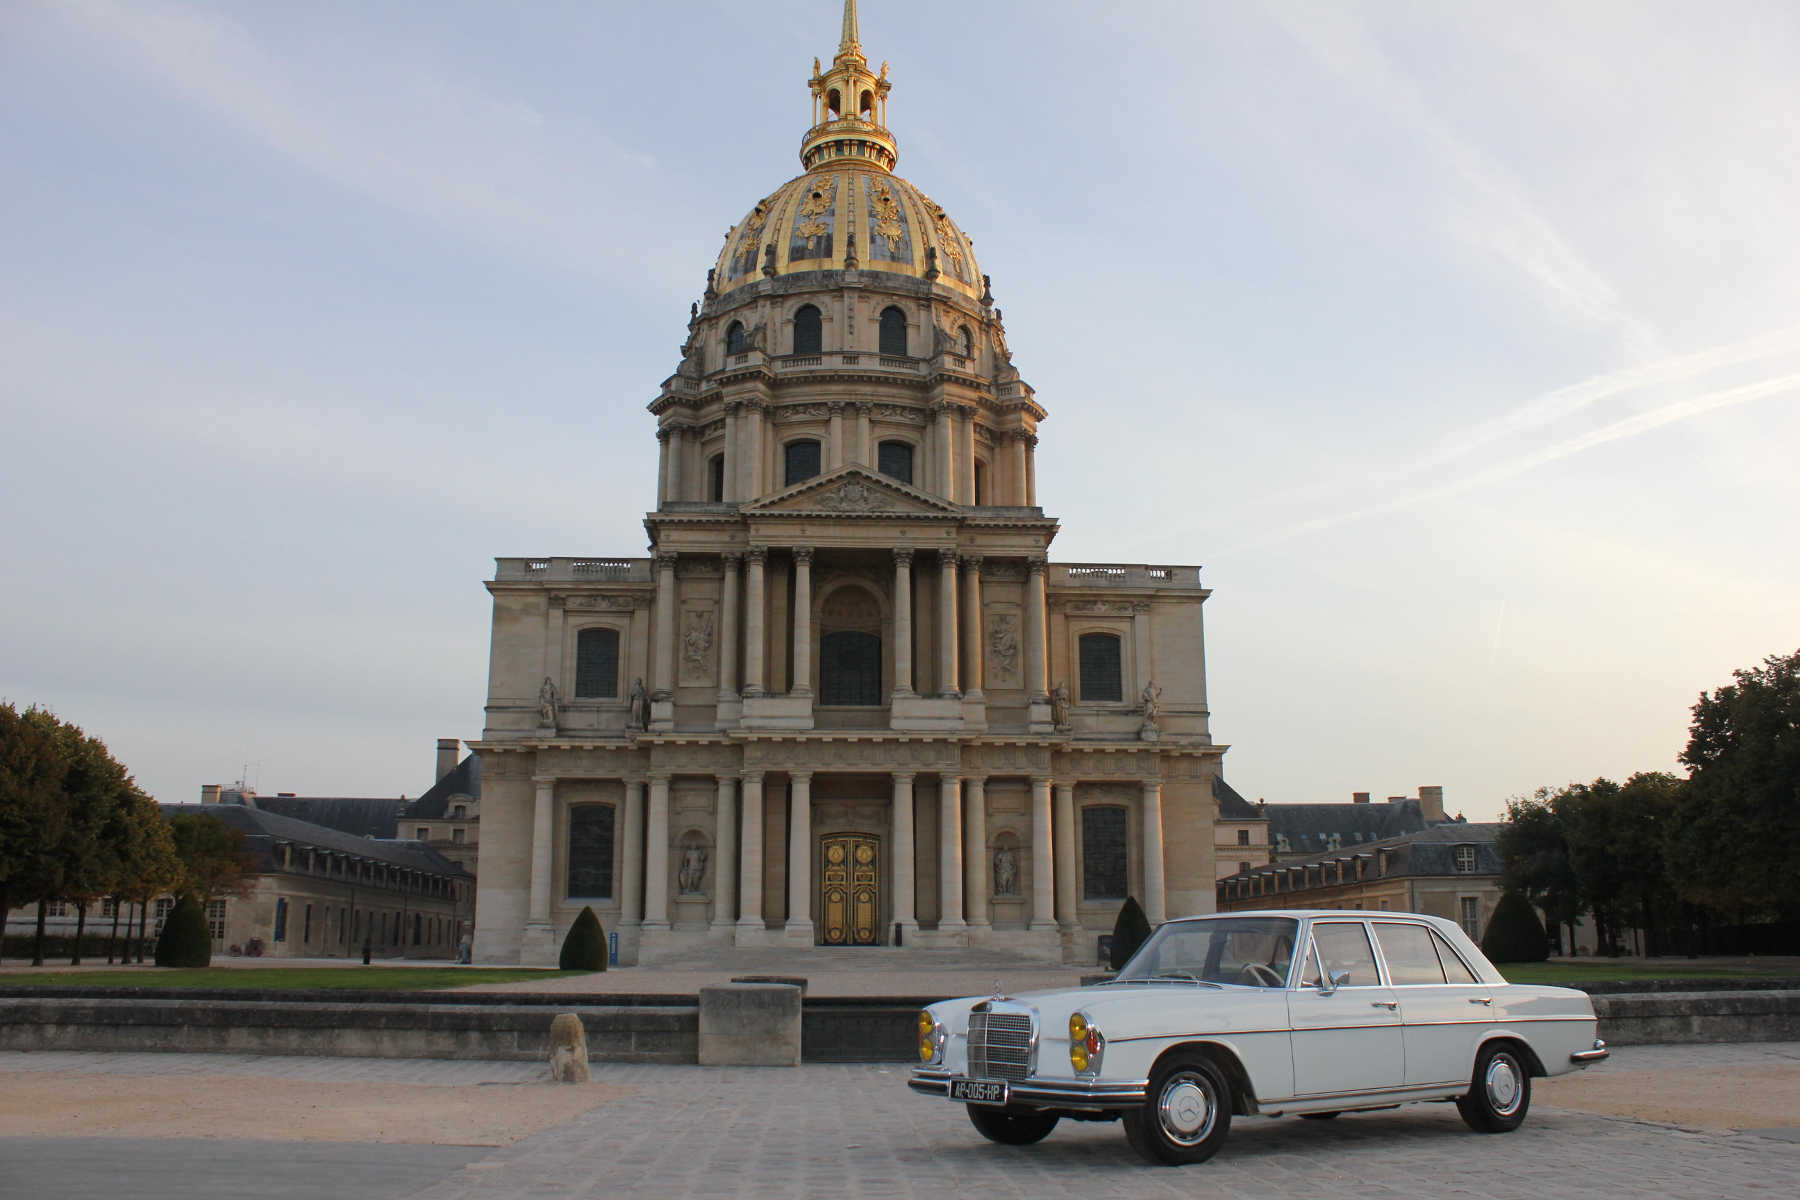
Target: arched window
{"type": "Point", "coordinates": [736, 340]}
{"type": "Point", "coordinates": [1100, 667]}
{"type": "Point", "coordinates": [893, 331]}
{"type": "Point", "coordinates": [1103, 857]}
{"type": "Point", "coordinates": [965, 342]}
{"type": "Point", "coordinates": [801, 461]}
{"type": "Point", "coordinates": [597, 663]}
{"type": "Point", "coordinates": [980, 483]}
{"type": "Point", "coordinates": [834, 105]}
{"type": "Point", "coordinates": [867, 106]}
{"type": "Point", "coordinates": [808, 336]}
{"type": "Point", "coordinates": [895, 460]}
{"type": "Point", "coordinates": [590, 852]}
{"type": "Point", "coordinates": [715, 472]}
{"type": "Point", "coordinates": [850, 648]}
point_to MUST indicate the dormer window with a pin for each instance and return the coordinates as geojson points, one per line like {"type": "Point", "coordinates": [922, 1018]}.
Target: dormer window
{"type": "Point", "coordinates": [1465, 858]}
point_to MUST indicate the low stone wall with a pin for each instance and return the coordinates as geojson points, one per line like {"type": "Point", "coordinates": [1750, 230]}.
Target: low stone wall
{"type": "Point", "coordinates": [1651, 1018]}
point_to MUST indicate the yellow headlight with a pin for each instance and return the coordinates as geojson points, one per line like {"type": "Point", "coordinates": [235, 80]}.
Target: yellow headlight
{"type": "Point", "coordinates": [1078, 1036]}
{"type": "Point", "coordinates": [927, 1036]}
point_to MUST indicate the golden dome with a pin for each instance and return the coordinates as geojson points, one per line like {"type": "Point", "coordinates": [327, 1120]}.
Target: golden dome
{"type": "Point", "coordinates": [841, 216]}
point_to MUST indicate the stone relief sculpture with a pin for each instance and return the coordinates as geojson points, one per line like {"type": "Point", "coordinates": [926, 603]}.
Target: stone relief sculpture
{"type": "Point", "coordinates": [547, 704]}
{"type": "Point", "coordinates": [697, 640]}
{"type": "Point", "coordinates": [853, 496]}
{"type": "Point", "coordinates": [639, 705]}
{"type": "Point", "coordinates": [1003, 645]}
{"type": "Point", "coordinates": [693, 867]}
{"type": "Point", "coordinates": [1059, 706]}
{"type": "Point", "coordinates": [1006, 871]}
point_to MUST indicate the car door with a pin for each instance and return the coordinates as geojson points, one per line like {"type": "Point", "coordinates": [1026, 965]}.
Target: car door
{"type": "Point", "coordinates": [1346, 1038]}
{"type": "Point", "coordinates": [1444, 1009]}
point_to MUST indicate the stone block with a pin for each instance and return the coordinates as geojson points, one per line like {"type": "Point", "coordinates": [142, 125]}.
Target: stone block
{"type": "Point", "coordinates": [750, 1025]}
{"type": "Point", "coordinates": [568, 1049]}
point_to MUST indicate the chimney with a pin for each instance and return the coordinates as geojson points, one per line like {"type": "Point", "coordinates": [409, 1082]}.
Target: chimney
{"type": "Point", "coordinates": [446, 756]}
{"type": "Point", "coordinates": [1431, 803]}
{"type": "Point", "coordinates": [1398, 799]}
{"type": "Point", "coordinates": [1359, 797]}
{"type": "Point", "coordinates": [209, 793]}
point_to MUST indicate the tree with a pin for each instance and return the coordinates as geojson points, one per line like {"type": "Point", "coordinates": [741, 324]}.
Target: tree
{"type": "Point", "coordinates": [1131, 929]}
{"type": "Point", "coordinates": [32, 769]}
{"type": "Point", "coordinates": [146, 866]}
{"type": "Point", "coordinates": [1534, 856]}
{"type": "Point", "coordinates": [1736, 843]}
{"type": "Point", "coordinates": [96, 789]}
{"type": "Point", "coordinates": [184, 941]}
{"type": "Point", "coordinates": [584, 947]}
{"type": "Point", "coordinates": [212, 858]}
{"type": "Point", "coordinates": [1514, 934]}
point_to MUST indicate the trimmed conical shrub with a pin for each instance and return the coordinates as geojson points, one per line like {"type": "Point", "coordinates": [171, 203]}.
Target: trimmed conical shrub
{"type": "Point", "coordinates": [1129, 932]}
{"type": "Point", "coordinates": [585, 947]}
{"type": "Point", "coordinates": [184, 941]}
{"type": "Point", "coordinates": [1514, 933]}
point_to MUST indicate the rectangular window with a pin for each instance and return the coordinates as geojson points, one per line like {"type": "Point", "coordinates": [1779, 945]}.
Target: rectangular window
{"type": "Point", "coordinates": [597, 663]}
{"type": "Point", "coordinates": [590, 852]}
{"type": "Point", "coordinates": [1344, 948]}
{"type": "Point", "coordinates": [895, 460]}
{"type": "Point", "coordinates": [1465, 858]}
{"type": "Point", "coordinates": [109, 907]}
{"type": "Point", "coordinates": [1243, 837]}
{"type": "Point", "coordinates": [801, 461]}
{"type": "Point", "coordinates": [1101, 677]}
{"type": "Point", "coordinates": [215, 920]}
{"type": "Point", "coordinates": [306, 927]}
{"type": "Point", "coordinates": [456, 835]}
{"type": "Point", "coordinates": [1410, 955]}
{"type": "Point", "coordinates": [424, 834]}
{"type": "Point", "coordinates": [1471, 918]}
{"type": "Point", "coordinates": [280, 919]}
{"type": "Point", "coordinates": [716, 469]}
{"type": "Point", "coordinates": [1103, 858]}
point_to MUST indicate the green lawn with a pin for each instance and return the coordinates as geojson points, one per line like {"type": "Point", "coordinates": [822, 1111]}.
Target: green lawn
{"type": "Point", "coordinates": [388, 979]}
{"type": "Point", "coordinates": [1596, 972]}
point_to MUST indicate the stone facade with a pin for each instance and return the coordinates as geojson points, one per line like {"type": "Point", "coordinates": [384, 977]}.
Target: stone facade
{"type": "Point", "coordinates": [849, 699]}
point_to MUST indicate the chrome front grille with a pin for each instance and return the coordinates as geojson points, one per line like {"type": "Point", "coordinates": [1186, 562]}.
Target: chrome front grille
{"type": "Point", "coordinates": [999, 1045]}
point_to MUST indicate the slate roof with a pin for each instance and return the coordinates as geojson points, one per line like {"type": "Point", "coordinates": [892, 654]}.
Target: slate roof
{"type": "Point", "coordinates": [1233, 807]}
{"type": "Point", "coordinates": [360, 816]}
{"type": "Point", "coordinates": [1425, 852]}
{"type": "Point", "coordinates": [1308, 827]}
{"type": "Point", "coordinates": [264, 830]}
{"type": "Point", "coordinates": [463, 780]}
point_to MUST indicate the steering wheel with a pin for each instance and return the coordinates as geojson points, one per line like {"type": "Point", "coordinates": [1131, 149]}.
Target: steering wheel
{"type": "Point", "coordinates": [1261, 975]}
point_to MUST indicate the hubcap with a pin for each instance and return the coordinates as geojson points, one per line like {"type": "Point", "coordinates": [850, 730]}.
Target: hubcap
{"type": "Point", "coordinates": [1503, 1085]}
{"type": "Point", "coordinates": [1186, 1110]}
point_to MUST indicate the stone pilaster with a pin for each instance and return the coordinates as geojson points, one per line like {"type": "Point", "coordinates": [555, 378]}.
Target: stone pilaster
{"type": "Point", "coordinates": [903, 647]}
{"type": "Point", "coordinates": [799, 921]}
{"type": "Point", "coordinates": [725, 856]}
{"type": "Point", "coordinates": [950, 853]}
{"type": "Point", "coordinates": [803, 631]}
{"type": "Point", "coordinates": [750, 875]}
{"type": "Point", "coordinates": [905, 868]}
{"type": "Point", "coordinates": [1064, 838]}
{"type": "Point", "coordinates": [1154, 907]}
{"type": "Point", "coordinates": [756, 604]}
{"type": "Point", "coordinates": [975, 852]}
{"type": "Point", "coordinates": [656, 856]}
{"type": "Point", "coordinates": [1043, 876]}
{"type": "Point", "coordinates": [947, 648]}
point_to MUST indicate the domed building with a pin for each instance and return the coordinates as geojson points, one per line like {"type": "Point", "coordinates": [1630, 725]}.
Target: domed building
{"type": "Point", "coordinates": [849, 700]}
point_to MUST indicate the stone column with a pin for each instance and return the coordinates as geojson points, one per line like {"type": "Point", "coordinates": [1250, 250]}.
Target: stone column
{"type": "Point", "coordinates": [905, 869]}
{"type": "Point", "coordinates": [1016, 485]}
{"type": "Point", "coordinates": [662, 465]}
{"type": "Point", "coordinates": [1154, 908]}
{"type": "Point", "coordinates": [1043, 876]}
{"type": "Point", "coordinates": [1031, 469]}
{"type": "Point", "coordinates": [677, 451]}
{"type": "Point", "coordinates": [1065, 855]}
{"type": "Point", "coordinates": [1037, 685]}
{"type": "Point", "coordinates": [656, 856]}
{"type": "Point", "coordinates": [802, 681]}
{"type": "Point", "coordinates": [799, 922]}
{"type": "Point", "coordinates": [756, 603]}
{"type": "Point", "coordinates": [750, 897]}
{"type": "Point", "coordinates": [903, 648]}
{"type": "Point", "coordinates": [728, 630]}
{"type": "Point", "coordinates": [950, 853]}
{"type": "Point", "coordinates": [865, 453]}
{"type": "Point", "coordinates": [834, 452]}
{"type": "Point", "coordinates": [734, 439]}
{"type": "Point", "coordinates": [975, 852]}
{"type": "Point", "coordinates": [725, 856]}
{"type": "Point", "coordinates": [543, 830]}
{"type": "Point", "coordinates": [759, 430]}
{"type": "Point", "coordinates": [947, 681]}
{"type": "Point", "coordinates": [945, 453]}
{"type": "Point", "coordinates": [971, 626]}
{"type": "Point", "coordinates": [965, 457]}
{"type": "Point", "coordinates": [662, 670]}
{"type": "Point", "coordinates": [632, 885]}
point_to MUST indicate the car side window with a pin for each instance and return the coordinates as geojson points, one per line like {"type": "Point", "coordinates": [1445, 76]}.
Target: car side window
{"type": "Point", "coordinates": [1343, 946]}
{"type": "Point", "coordinates": [1409, 953]}
{"type": "Point", "coordinates": [1455, 970]}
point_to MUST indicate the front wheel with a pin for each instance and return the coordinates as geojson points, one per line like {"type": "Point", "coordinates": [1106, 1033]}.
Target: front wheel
{"type": "Point", "coordinates": [1186, 1115]}
{"type": "Point", "coordinates": [1010, 1129]}
{"type": "Point", "coordinates": [1500, 1092]}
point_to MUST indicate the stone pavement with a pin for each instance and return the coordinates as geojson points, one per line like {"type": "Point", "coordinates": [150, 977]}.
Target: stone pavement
{"type": "Point", "coordinates": [857, 1131]}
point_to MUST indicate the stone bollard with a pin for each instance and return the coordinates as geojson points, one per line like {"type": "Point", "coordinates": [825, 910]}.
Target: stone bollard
{"type": "Point", "coordinates": [750, 1025]}
{"type": "Point", "coordinates": [568, 1049]}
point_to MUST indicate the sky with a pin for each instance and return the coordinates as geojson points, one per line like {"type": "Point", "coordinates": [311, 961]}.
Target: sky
{"type": "Point", "coordinates": [1458, 344]}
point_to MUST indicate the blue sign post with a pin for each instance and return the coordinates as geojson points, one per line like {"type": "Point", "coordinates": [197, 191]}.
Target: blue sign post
{"type": "Point", "coordinates": [612, 948]}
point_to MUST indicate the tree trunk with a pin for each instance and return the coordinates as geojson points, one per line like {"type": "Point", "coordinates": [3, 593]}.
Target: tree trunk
{"type": "Point", "coordinates": [112, 939]}
{"type": "Point", "coordinates": [143, 926]}
{"type": "Point", "coordinates": [37, 944]}
{"type": "Point", "coordinates": [80, 928]}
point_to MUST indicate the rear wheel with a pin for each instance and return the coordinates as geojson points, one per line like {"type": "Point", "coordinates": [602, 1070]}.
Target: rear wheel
{"type": "Point", "coordinates": [1500, 1092]}
{"type": "Point", "coordinates": [1186, 1115]}
{"type": "Point", "coordinates": [1010, 1129]}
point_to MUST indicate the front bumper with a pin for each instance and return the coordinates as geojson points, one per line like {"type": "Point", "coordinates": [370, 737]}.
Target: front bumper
{"type": "Point", "coordinates": [1582, 1058]}
{"type": "Point", "coordinates": [1085, 1095]}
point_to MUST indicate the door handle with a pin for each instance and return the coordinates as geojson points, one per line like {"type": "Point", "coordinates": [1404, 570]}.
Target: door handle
{"type": "Point", "coordinates": [1481, 1000]}
{"type": "Point", "coordinates": [1390, 1005]}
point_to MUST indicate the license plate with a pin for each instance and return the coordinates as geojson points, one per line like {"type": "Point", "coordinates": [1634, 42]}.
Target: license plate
{"type": "Point", "coordinates": [978, 1091]}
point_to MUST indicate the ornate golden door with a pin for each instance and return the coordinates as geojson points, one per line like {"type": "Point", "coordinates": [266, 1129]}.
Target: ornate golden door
{"type": "Point", "coordinates": [850, 889]}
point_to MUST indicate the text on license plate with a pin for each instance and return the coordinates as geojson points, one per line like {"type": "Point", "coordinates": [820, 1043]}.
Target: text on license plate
{"type": "Point", "coordinates": [978, 1091]}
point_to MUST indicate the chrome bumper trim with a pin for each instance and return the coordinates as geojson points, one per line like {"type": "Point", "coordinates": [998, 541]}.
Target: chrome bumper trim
{"type": "Point", "coordinates": [1047, 1093]}
{"type": "Point", "coordinates": [1584, 1057]}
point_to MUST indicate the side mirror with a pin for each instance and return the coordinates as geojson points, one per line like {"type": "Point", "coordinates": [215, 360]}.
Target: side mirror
{"type": "Point", "coordinates": [1333, 981]}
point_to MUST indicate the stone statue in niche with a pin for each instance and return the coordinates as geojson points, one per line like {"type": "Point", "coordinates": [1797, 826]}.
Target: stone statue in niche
{"type": "Point", "coordinates": [1059, 706]}
{"type": "Point", "coordinates": [1006, 871]}
{"type": "Point", "coordinates": [639, 705]}
{"type": "Point", "coordinates": [547, 704]}
{"type": "Point", "coordinates": [693, 867]}
{"type": "Point", "coordinates": [1151, 697]}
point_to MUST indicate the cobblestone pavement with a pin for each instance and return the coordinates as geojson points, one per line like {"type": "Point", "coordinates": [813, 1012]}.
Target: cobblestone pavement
{"type": "Point", "coordinates": [857, 1131]}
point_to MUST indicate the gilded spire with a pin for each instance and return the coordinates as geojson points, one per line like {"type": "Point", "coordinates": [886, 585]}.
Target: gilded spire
{"type": "Point", "coordinates": [849, 107]}
{"type": "Point", "coordinates": [852, 39]}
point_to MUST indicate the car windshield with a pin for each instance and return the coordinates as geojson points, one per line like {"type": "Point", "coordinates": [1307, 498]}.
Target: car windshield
{"type": "Point", "coordinates": [1251, 951]}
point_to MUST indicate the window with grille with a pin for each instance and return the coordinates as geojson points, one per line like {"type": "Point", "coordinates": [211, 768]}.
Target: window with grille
{"type": "Point", "coordinates": [1465, 858]}
{"type": "Point", "coordinates": [809, 335]}
{"type": "Point", "coordinates": [893, 331]}
{"type": "Point", "coordinates": [1243, 837]}
{"type": "Point", "coordinates": [895, 460]}
{"type": "Point", "coordinates": [736, 341]}
{"type": "Point", "coordinates": [801, 460]}
{"type": "Point", "coordinates": [215, 920]}
{"type": "Point", "coordinates": [1471, 918]}
{"type": "Point", "coordinates": [590, 851]}
{"type": "Point", "coordinates": [597, 663]}
{"type": "Point", "coordinates": [1103, 858]}
{"type": "Point", "coordinates": [850, 668]}
{"type": "Point", "coordinates": [1101, 677]}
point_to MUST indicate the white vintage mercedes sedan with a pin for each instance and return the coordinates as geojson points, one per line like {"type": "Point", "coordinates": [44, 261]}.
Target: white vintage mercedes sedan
{"type": "Point", "coordinates": [1305, 1012]}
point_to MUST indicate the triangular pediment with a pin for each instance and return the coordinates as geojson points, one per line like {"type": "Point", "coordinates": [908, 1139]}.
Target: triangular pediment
{"type": "Point", "coordinates": [851, 492]}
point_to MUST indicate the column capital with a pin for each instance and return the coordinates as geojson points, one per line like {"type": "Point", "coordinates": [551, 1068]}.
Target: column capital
{"type": "Point", "coordinates": [1037, 564]}
{"type": "Point", "coordinates": [1042, 781]}
{"type": "Point", "coordinates": [661, 777]}
{"type": "Point", "coordinates": [978, 778]}
{"type": "Point", "coordinates": [800, 776]}
{"type": "Point", "coordinates": [802, 554]}
{"type": "Point", "coordinates": [939, 408]}
{"type": "Point", "coordinates": [904, 776]}
{"type": "Point", "coordinates": [749, 774]}
{"type": "Point", "coordinates": [544, 781]}
{"type": "Point", "coordinates": [946, 558]}
{"type": "Point", "coordinates": [756, 555]}
{"type": "Point", "coordinates": [665, 560]}
{"type": "Point", "coordinates": [732, 559]}
{"type": "Point", "coordinates": [970, 562]}
{"type": "Point", "coordinates": [864, 407]}
{"type": "Point", "coordinates": [731, 405]}
{"type": "Point", "coordinates": [1140, 607]}
{"type": "Point", "coordinates": [903, 556]}
{"type": "Point", "coordinates": [726, 777]}
{"type": "Point", "coordinates": [834, 407]}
